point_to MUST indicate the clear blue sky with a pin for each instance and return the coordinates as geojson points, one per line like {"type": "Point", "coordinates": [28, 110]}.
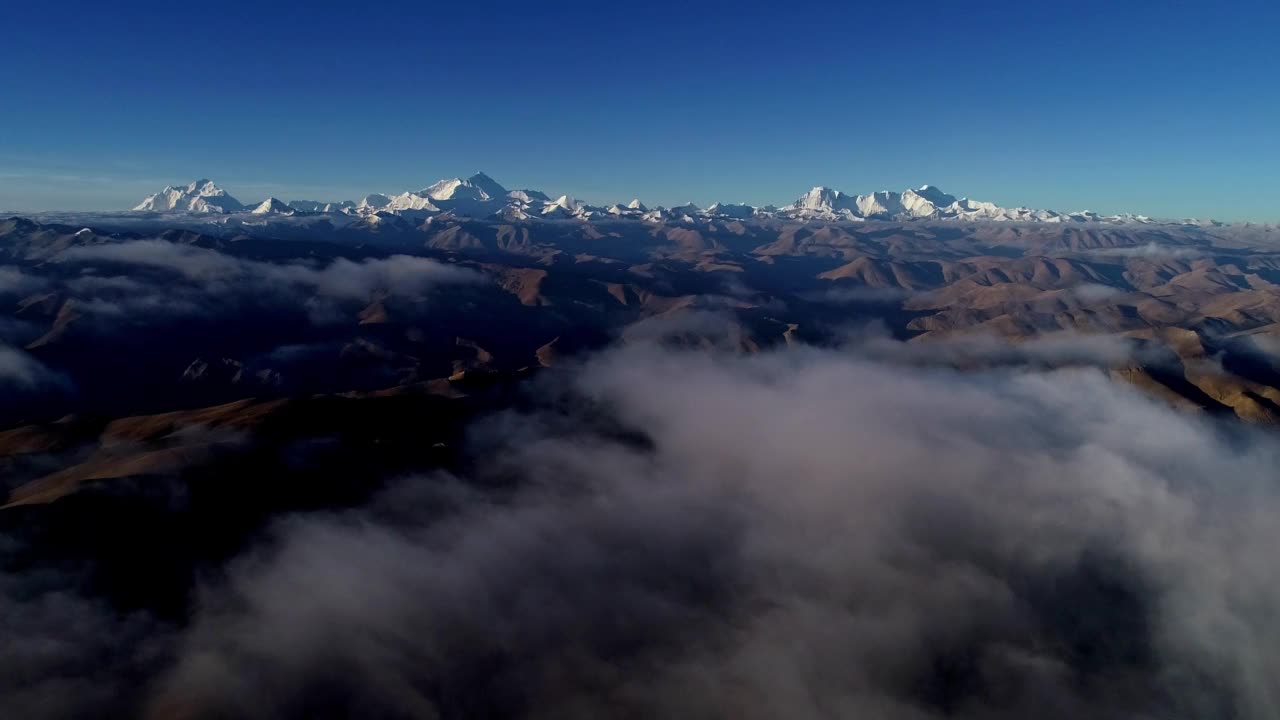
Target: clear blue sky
{"type": "Point", "coordinates": [1165, 108]}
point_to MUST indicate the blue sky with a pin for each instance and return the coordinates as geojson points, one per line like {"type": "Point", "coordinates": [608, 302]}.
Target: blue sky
{"type": "Point", "coordinates": [1165, 108]}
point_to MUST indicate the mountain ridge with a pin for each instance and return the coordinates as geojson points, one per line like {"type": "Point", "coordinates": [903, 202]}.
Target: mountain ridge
{"type": "Point", "coordinates": [480, 196]}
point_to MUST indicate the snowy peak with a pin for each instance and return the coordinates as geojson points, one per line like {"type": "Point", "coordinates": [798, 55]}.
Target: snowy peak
{"type": "Point", "coordinates": [444, 189]}
{"type": "Point", "coordinates": [201, 196]}
{"type": "Point", "coordinates": [819, 198]}
{"type": "Point", "coordinates": [373, 201]}
{"type": "Point", "coordinates": [879, 204]}
{"type": "Point", "coordinates": [478, 187]}
{"type": "Point", "coordinates": [487, 185]}
{"type": "Point", "coordinates": [273, 206]}
{"type": "Point", "coordinates": [205, 187]}
{"type": "Point", "coordinates": [565, 205]}
{"type": "Point", "coordinates": [321, 207]}
{"type": "Point", "coordinates": [528, 197]}
{"type": "Point", "coordinates": [924, 203]}
{"type": "Point", "coordinates": [411, 201]}
{"type": "Point", "coordinates": [933, 195]}
{"type": "Point", "coordinates": [731, 210]}
{"type": "Point", "coordinates": [927, 201]}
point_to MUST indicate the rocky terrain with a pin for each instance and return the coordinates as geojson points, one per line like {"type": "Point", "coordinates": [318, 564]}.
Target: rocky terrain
{"type": "Point", "coordinates": [123, 317]}
{"type": "Point", "coordinates": [198, 369]}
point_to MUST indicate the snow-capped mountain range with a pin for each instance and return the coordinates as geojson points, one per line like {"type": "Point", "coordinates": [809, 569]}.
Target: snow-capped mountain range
{"type": "Point", "coordinates": [201, 196]}
{"type": "Point", "coordinates": [481, 196]}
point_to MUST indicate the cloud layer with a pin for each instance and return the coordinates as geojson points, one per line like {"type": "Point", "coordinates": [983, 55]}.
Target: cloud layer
{"type": "Point", "coordinates": [398, 274]}
{"type": "Point", "coordinates": [21, 372]}
{"type": "Point", "coordinates": [201, 280]}
{"type": "Point", "coordinates": [13, 281]}
{"type": "Point", "coordinates": [1043, 351]}
{"type": "Point", "coordinates": [800, 534]}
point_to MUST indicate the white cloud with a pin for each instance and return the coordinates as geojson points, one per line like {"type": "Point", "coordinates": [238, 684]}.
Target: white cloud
{"type": "Point", "coordinates": [13, 281]}
{"type": "Point", "coordinates": [214, 279]}
{"type": "Point", "coordinates": [800, 534]}
{"type": "Point", "coordinates": [21, 371]}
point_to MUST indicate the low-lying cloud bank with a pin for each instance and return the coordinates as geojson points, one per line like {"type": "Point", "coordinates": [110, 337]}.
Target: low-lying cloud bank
{"type": "Point", "coordinates": [19, 372]}
{"type": "Point", "coordinates": [14, 281]}
{"type": "Point", "coordinates": [201, 280]}
{"type": "Point", "coordinates": [1051, 350]}
{"type": "Point", "coordinates": [807, 536]}
{"type": "Point", "coordinates": [1151, 250]}
{"type": "Point", "coordinates": [799, 534]}
{"type": "Point", "coordinates": [398, 274]}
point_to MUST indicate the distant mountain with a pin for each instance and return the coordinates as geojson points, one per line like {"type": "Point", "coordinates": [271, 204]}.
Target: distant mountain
{"type": "Point", "coordinates": [928, 203]}
{"type": "Point", "coordinates": [730, 210]}
{"type": "Point", "coordinates": [421, 200]}
{"type": "Point", "coordinates": [373, 202]}
{"type": "Point", "coordinates": [477, 187]}
{"type": "Point", "coordinates": [272, 206]}
{"type": "Point", "coordinates": [321, 207]}
{"type": "Point", "coordinates": [201, 196]}
{"type": "Point", "coordinates": [480, 196]}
